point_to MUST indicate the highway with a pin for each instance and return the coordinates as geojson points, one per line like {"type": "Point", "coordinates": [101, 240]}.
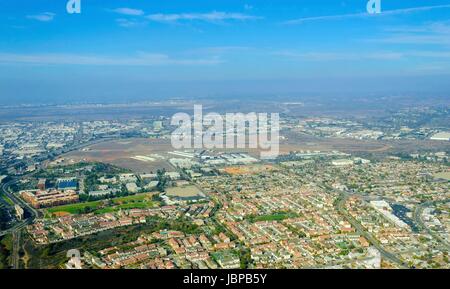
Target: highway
{"type": "Point", "coordinates": [16, 230]}
{"type": "Point", "coordinates": [16, 200]}
{"type": "Point", "coordinates": [15, 255]}
{"type": "Point", "coordinates": [16, 227]}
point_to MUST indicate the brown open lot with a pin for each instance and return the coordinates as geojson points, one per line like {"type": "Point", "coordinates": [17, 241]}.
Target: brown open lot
{"type": "Point", "coordinates": [299, 141]}
{"type": "Point", "coordinates": [121, 152]}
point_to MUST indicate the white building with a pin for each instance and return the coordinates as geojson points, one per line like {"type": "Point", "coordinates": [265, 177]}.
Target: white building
{"type": "Point", "coordinates": [132, 187]}
{"type": "Point", "coordinates": [445, 136]}
{"type": "Point", "coordinates": [374, 261]}
{"type": "Point", "coordinates": [385, 209]}
{"type": "Point", "coordinates": [129, 178]}
{"type": "Point", "coordinates": [157, 125]}
{"type": "Point", "coordinates": [173, 175]}
{"type": "Point", "coordinates": [342, 162]}
{"type": "Point", "coordinates": [19, 212]}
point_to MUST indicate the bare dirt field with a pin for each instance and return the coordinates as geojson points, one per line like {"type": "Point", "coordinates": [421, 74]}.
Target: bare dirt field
{"type": "Point", "coordinates": [184, 192]}
{"type": "Point", "coordinates": [298, 141]}
{"type": "Point", "coordinates": [148, 155]}
{"type": "Point", "coordinates": [122, 152]}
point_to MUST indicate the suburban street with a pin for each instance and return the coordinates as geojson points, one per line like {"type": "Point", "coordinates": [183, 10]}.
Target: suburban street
{"type": "Point", "coordinates": [384, 253]}
{"type": "Point", "coordinates": [418, 219]}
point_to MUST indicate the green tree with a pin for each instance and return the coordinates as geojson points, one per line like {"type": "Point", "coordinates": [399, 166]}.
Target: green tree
{"type": "Point", "coordinates": [162, 180]}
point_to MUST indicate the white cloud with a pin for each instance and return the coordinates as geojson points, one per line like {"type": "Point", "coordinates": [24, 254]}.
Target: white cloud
{"type": "Point", "coordinates": [437, 33]}
{"type": "Point", "coordinates": [430, 54]}
{"type": "Point", "coordinates": [336, 56]}
{"type": "Point", "coordinates": [379, 55]}
{"type": "Point", "coordinates": [128, 23]}
{"type": "Point", "coordinates": [43, 17]}
{"type": "Point", "coordinates": [431, 68]}
{"type": "Point", "coordinates": [129, 11]}
{"type": "Point", "coordinates": [413, 39]}
{"type": "Point", "coordinates": [220, 49]}
{"type": "Point", "coordinates": [141, 59]}
{"type": "Point", "coordinates": [214, 16]}
{"type": "Point", "coordinates": [367, 15]}
{"type": "Point", "coordinates": [248, 7]}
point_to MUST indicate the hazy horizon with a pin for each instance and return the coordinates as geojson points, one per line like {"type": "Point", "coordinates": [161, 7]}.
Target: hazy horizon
{"type": "Point", "coordinates": [126, 51]}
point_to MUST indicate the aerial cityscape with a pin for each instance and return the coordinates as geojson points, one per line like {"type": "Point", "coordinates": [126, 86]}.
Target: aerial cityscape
{"type": "Point", "coordinates": [358, 174]}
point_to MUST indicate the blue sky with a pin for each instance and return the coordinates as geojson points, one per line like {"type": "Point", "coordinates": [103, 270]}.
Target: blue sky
{"type": "Point", "coordinates": [143, 49]}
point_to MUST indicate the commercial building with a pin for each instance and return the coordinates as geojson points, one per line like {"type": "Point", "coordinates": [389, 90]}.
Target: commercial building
{"type": "Point", "coordinates": [49, 198]}
{"type": "Point", "coordinates": [385, 209]}
{"type": "Point", "coordinates": [342, 163]}
{"type": "Point", "coordinates": [158, 125]}
{"type": "Point", "coordinates": [19, 212]}
{"type": "Point", "coordinates": [67, 184]}
{"type": "Point", "coordinates": [42, 184]}
{"type": "Point", "coordinates": [445, 136]}
{"type": "Point", "coordinates": [132, 187]}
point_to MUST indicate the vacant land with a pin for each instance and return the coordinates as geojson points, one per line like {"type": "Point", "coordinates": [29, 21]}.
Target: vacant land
{"type": "Point", "coordinates": [444, 176]}
{"type": "Point", "coordinates": [297, 141]}
{"type": "Point", "coordinates": [184, 192]}
{"type": "Point", "coordinates": [122, 153]}
{"type": "Point", "coordinates": [248, 169]}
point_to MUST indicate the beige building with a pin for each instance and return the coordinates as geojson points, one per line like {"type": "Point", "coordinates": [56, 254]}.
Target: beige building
{"type": "Point", "coordinates": [49, 198]}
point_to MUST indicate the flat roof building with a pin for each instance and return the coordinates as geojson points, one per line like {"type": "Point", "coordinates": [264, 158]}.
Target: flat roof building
{"type": "Point", "coordinates": [445, 136]}
{"type": "Point", "coordinates": [49, 198]}
{"type": "Point", "coordinates": [42, 184]}
{"type": "Point", "coordinates": [67, 184]}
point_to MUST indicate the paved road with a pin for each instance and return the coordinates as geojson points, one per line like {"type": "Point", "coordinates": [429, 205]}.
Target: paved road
{"type": "Point", "coordinates": [15, 256]}
{"type": "Point", "coordinates": [16, 227]}
{"type": "Point", "coordinates": [16, 230]}
{"type": "Point", "coordinates": [384, 253]}
{"type": "Point", "coordinates": [20, 225]}
{"type": "Point", "coordinates": [16, 200]}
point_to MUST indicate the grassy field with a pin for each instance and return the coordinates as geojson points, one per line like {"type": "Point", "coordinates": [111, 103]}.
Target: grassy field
{"type": "Point", "coordinates": [74, 208]}
{"type": "Point", "coordinates": [8, 200]}
{"type": "Point", "coordinates": [5, 251]}
{"type": "Point", "coordinates": [279, 216]}
{"type": "Point", "coordinates": [127, 206]}
{"type": "Point", "coordinates": [140, 201]}
{"type": "Point", "coordinates": [443, 175]}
